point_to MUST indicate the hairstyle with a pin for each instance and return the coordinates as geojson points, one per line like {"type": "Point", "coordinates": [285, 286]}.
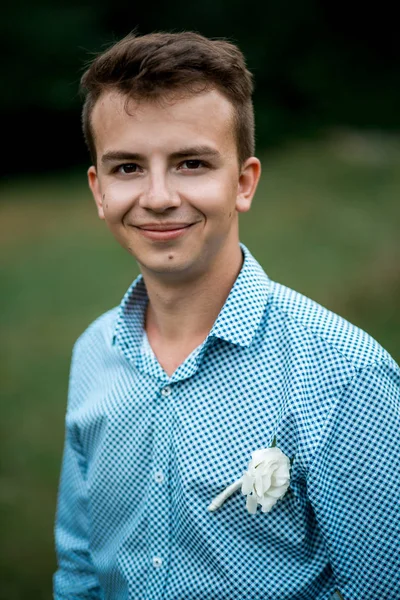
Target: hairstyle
{"type": "Point", "coordinates": [154, 65]}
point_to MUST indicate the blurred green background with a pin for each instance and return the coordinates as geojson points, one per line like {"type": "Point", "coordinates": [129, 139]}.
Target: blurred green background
{"type": "Point", "coordinates": [325, 219]}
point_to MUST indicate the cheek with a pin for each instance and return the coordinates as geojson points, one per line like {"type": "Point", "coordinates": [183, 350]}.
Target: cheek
{"type": "Point", "coordinates": [215, 197]}
{"type": "Point", "coordinates": [117, 201]}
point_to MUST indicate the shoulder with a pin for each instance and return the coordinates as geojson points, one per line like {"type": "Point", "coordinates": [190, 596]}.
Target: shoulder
{"type": "Point", "coordinates": [98, 336]}
{"type": "Point", "coordinates": [313, 326]}
{"type": "Point", "coordinates": [91, 354]}
{"type": "Point", "coordinates": [333, 372]}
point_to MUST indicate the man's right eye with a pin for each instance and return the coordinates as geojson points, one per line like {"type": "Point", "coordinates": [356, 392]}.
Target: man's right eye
{"type": "Point", "coordinates": [128, 168]}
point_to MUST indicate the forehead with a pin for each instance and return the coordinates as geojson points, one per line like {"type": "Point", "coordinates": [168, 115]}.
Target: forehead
{"type": "Point", "coordinates": [206, 118]}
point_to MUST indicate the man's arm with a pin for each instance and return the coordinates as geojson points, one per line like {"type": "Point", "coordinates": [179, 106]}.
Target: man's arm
{"type": "Point", "coordinates": [354, 485]}
{"type": "Point", "coordinates": [75, 578]}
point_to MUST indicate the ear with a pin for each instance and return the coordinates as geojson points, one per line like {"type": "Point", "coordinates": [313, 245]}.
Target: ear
{"type": "Point", "coordinates": [94, 185]}
{"type": "Point", "coordinates": [247, 184]}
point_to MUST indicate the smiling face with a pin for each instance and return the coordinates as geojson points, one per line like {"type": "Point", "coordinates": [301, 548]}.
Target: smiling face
{"type": "Point", "coordinates": [168, 183]}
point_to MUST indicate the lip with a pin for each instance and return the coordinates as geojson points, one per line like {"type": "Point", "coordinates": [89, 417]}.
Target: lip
{"type": "Point", "coordinates": [164, 231]}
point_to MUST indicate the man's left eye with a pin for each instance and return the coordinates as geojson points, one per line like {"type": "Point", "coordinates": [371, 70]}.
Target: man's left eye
{"type": "Point", "coordinates": [192, 164]}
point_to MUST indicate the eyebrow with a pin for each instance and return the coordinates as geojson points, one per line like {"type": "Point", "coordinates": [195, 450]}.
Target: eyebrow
{"type": "Point", "coordinates": [114, 156]}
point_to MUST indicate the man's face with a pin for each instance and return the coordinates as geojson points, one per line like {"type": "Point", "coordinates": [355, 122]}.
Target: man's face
{"type": "Point", "coordinates": [167, 180]}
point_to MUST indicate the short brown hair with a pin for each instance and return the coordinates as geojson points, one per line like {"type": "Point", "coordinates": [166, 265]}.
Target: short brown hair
{"type": "Point", "coordinates": [148, 66]}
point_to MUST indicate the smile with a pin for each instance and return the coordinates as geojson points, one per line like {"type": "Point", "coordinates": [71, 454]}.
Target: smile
{"type": "Point", "coordinates": [164, 232]}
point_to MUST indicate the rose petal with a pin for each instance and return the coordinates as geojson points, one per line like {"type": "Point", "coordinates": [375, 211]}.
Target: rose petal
{"type": "Point", "coordinates": [251, 504]}
{"type": "Point", "coordinates": [278, 492]}
{"type": "Point", "coordinates": [258, 485]}
{"type": "Point", "coordinates": [247, 484]}
{"type": "Point", "coordinates": [280, 482]}
{"type": "Point", "coordinates": [267, 503]}
{"type": "Point", "coordinates": [283, 470]}
{"type": "Point", "coordinates": [266, 482]}
{"type": "Point", "coordinates": [259, 456]}
{"type": "Point", "coordinates": [268, 466]}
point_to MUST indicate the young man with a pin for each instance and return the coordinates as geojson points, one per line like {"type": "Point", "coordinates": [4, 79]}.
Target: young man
{"type": "Point", "coordinates": [207, 361]}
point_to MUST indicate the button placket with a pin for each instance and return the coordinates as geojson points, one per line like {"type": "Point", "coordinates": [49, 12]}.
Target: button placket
{"type": "Point", "coordinates": [159, 477]}
{"type": "Point", "coordinates": [166, 391]}
{"type": "Point", "coordinates": [157, 562]}
{"type": "Point", "coordinates": [159, 515]}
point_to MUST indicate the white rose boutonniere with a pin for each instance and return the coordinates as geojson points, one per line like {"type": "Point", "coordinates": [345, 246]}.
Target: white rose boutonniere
{"type": "Point", "coordinates": [265, 481]}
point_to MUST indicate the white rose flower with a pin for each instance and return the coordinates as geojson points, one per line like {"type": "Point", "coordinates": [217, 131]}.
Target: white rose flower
{"type": "Point", "coordinates": [266, 479]}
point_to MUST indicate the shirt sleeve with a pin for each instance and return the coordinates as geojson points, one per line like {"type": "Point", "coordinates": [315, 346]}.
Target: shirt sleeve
{"type": "Point", "coordinates": [354, 485]}
{"type": "Point", "coordinates": [75, 578]}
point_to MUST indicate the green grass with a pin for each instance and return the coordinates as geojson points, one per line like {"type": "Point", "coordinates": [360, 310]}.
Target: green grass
{"type": "Point", "coordinates": [325, 221]}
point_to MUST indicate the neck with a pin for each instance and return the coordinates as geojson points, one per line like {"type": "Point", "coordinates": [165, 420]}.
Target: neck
{"type": "Point", "coordinates": [181, 312]}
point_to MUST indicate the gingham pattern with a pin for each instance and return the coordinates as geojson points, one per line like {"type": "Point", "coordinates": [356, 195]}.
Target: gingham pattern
{"type": "Point", "coordinates": [146, 453]}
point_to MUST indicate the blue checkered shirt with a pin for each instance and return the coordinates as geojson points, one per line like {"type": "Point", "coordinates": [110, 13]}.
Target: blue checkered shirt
{"type": "Point", "coordinates": [145, 454]}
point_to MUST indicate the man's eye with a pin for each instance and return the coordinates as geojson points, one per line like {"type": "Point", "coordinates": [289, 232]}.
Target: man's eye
{"type": "Point", "coordinates": [128, 168]}
{"type": "Point", "coordinates": [193, 164]}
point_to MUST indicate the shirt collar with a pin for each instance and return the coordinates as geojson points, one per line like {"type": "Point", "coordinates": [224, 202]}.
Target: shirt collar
{"type": "Point", "coordinates": [128, 331]}
{"type": "Point", "coordinates": [237, 322]}
{"type": "Point", "coordinates": [242, 312]}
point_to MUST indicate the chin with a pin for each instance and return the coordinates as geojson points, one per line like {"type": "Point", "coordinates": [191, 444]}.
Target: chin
{"type": "Point", "coordinates": [171, 260]}
{"type": "Point", "coordinates": [175, 268]}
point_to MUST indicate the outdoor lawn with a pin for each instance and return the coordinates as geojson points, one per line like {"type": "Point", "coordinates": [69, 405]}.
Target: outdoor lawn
{"type": "Point", "coordinates": [325, 221]}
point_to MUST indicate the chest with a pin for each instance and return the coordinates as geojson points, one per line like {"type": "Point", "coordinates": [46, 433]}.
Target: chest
{"type": "Point", "coordinates": [157, 456]}
{"type": "Point", "coordinates": [201, 429]}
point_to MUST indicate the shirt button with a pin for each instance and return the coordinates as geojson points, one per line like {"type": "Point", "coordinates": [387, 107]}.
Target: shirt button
{"type": "Point", "coordinates": [166, 391]}
{"type": "Point", "coordinates": [157, 561]}
{"type": "Point", "coordinates": [159, 477]}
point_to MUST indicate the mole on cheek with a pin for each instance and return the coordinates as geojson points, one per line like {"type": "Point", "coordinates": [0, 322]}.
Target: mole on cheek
{"type": "Point", "coordinates": [171, 256]}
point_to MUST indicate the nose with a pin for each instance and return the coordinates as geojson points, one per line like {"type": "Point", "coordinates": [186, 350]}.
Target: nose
{"type": "Point", "coordinates": [158, 195]}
